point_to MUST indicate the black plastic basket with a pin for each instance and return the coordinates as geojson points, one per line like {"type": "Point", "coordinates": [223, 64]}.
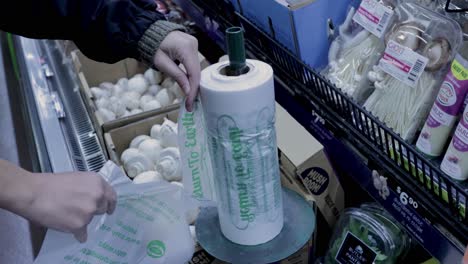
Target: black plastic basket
{"type": "Point", "coordinates": [443, 196]}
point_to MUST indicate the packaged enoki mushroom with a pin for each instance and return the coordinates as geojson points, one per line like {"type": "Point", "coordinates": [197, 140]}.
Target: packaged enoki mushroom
{"type": "Point", "coordinates": [359, 46]}
{"type": "Point", "coordinates": [419, 46]}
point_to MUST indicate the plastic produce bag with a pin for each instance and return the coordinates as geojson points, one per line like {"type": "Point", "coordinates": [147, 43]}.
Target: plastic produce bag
{"type": "Point", "coordinates": [147, 226]}
{"type": "Point", "coordinates": [196, 160]}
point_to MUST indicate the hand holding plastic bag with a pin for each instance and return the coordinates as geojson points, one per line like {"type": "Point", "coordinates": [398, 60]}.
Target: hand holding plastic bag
{"type": "Point", "coordinates": [148, 226]}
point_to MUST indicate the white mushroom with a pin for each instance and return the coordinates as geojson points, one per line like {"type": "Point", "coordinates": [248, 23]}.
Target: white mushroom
{"type": "Point", "coordinates": [106, 86]}
{"type": "Point", "coordinates": [105, 114]}
{"type": "Point", "coordinates": [128, 153]}
{"type": "Point", "coordinates": [117, 90]}
{"type": "Point", "coordinates": [154, 89]}
{"type": "Point", "coordinates": [102, 102]}
{"type": "Point", "coordinates": [152, 76]}
{"type": "Point", "coordinates": [139, 75]}
{"type": "Point", "coordinates": [117, 106]}
{"type": "Point", "coordinates": [169, 165]}
{"type": "Point", "coordinates": [148, 176]}
{"type": "Point", "coordinates": [144, 99]}
{"type": "Point", "coordinates": [138, 84]}
{"type": "Point", "coordinates": [136, 111]}
{"type": "Point", "coordinates": [176, 101]}
{"type": "Point", "coordinates": [165, 97]}
{"type": "Point", "coordinates": [168, 133]}
{"type": "Point", "coordinates": [151, 148]}
{"type": "Point", "coordinates": [135, 143]}
{"type": "Point", "coordinates": [168, 82]}
{"type": "Point", "coordinates": [176, 90]}
{"type": "Point", "coordinates": [137, 164]}
{"type": "Point", "coordinates": [127, 113]}
{"type": "Point", "coordinates": [131, 100]}
{"type": "Point", "coordinates": [99, 93]}
{"type": "Point", "coordinates": [151, 105]}
{"type": "Point", "coordinates": [438, 52]}
{"type": "Point", "coordinates": [156, 131]}
{"type": "Point", "coordinates": [123, 82]}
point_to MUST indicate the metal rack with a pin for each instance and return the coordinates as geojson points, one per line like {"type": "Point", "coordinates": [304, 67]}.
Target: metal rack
{"type": "Point", "coordinates": [439, 199]}
{"type": "Point", "coordinates": [62, 129]}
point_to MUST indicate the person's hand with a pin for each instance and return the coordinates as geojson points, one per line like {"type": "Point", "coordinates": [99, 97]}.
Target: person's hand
{"type": "Point", "coordinates": [68, 201]}
{"type": "Point", "coordinates": [183, 48]}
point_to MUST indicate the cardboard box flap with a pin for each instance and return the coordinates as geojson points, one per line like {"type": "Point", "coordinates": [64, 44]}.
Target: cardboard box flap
{"type": "Point", "coordinates": [96, 72]}
{"type": "Point", "coordinates": [292, 137]}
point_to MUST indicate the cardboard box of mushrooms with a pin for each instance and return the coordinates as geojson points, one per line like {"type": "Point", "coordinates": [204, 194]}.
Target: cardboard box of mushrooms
{"type": "Point", "coordinates": [124, 92]}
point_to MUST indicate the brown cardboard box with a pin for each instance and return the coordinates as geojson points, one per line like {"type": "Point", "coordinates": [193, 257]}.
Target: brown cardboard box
{"type": "Point", "coordinates": [118, 139]}
{"type": "Point", "coordinates": [306, 168]}
{"type": "Point", "coordinates": [92, 73]}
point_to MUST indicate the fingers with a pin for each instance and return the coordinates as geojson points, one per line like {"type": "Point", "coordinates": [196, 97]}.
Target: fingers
{"type": "Point", "coordinates": [189, 58]}
{"type": "Point", "coordinates": [165, 64]}
{"type": "Point", "coordinates": [81, 234]}
{"type": "Point", "coordinates": [111, 198]}
{"type": "Point", "coordinates": [107, 199]}
{"type": "Point", "coordinates": [184, 48]}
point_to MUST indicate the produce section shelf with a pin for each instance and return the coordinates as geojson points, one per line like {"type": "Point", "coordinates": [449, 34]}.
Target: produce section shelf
{"type": "Point", "coordinates": [63, 132]}
{"type": "Point", "coordinates": [427, 202]}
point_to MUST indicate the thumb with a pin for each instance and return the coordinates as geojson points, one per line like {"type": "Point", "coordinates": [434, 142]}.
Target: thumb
{"type": "Point", "coordinates": [81, 234]}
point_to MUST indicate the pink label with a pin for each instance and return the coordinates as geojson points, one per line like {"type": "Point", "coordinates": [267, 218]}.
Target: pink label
{"type": "Point", "coordinates": [368, 15]}
{"type": "Point", "coordinates": [397, 63]}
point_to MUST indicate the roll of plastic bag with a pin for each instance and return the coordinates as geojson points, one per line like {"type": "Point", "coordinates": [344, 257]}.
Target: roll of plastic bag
{"type": "Point", "coordinates": [235, 120]}
{"type": "Point", "coordinates": [147, 226]}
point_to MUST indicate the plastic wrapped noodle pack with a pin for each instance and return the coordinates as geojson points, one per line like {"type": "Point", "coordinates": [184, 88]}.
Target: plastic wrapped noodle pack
{"type": "Point", "coordinates": [147, 226]}
{"type": "Point", "coordinates": [356, 49]}
{"type": "Point", "coordinates": [419, 46]}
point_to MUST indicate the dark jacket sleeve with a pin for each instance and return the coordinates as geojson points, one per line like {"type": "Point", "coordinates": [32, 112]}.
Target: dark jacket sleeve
{"type": "Point", "coordinates": [104, 30]}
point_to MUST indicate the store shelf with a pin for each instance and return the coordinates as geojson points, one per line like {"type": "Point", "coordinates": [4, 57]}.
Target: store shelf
{"type": "Point", "coordinates": [422, 198]}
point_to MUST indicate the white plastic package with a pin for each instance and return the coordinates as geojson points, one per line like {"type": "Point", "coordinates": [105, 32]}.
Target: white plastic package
{"type": "Point", "coordinates": [359, 46]}
{"type": "Point", "coordinates": [147, 226]}
{"type": "Point", "coordinates": [419, 46]}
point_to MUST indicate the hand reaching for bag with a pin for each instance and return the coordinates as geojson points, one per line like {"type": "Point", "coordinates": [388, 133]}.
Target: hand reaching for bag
{"type": "Point", "coordinates": [183, 48]}
{"type": "Point", "coordinates": [66, 201]}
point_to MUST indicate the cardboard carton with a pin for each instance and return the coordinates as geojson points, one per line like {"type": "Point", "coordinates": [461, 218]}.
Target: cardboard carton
{"type": "Point", "coordinates": [306, 167]}
{"type": "Point", "coordinates": [305, 27]}
{"type": "Point", "coordinates": [92, 73]}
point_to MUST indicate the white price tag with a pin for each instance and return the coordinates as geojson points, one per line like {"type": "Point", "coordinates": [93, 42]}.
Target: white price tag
{"type": "Point", "coordinates": [403, 63]}
{"type": "Point", "coordinates": [373, 16]}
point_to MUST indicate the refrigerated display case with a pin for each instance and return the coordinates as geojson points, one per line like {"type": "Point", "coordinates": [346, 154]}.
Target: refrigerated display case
{"type": "Point", "coordinates": [58, 133]}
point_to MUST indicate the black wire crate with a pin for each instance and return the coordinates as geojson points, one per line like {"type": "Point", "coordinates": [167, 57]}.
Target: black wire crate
{"type": "Point", "coordinates": [446, 197]}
